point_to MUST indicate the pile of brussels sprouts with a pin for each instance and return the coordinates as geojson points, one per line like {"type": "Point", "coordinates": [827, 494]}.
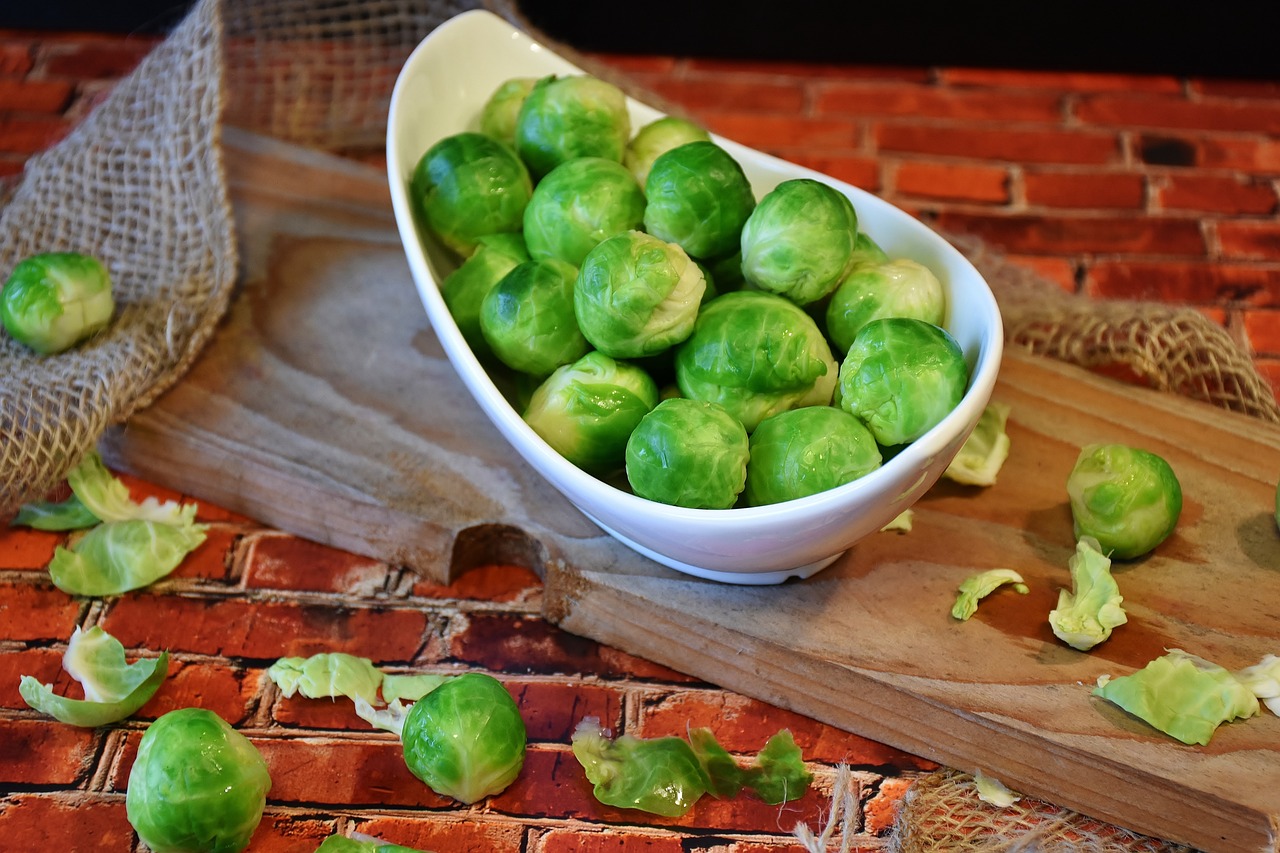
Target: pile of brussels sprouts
{"type": "Point", "coordinates": [650, 317]}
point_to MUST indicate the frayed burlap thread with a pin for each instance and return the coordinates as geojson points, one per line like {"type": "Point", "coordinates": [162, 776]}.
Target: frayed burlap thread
{"type": "Point", "coordinates": [138, 184]}
{"type": "Point", "coordinates": [942, 812]}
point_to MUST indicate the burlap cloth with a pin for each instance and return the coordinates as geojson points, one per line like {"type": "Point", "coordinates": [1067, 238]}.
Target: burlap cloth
{"type": "Point", "coordinates": [139, 183]}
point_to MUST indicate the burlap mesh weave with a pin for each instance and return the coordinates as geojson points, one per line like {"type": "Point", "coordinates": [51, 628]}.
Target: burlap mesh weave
{"type": "Point", "coordinates": [139, 184]}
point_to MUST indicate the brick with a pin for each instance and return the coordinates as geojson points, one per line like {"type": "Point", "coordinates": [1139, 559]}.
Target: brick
{"type": "Point", "coordinates": [1017, 145]}
{"type": "Point", "coordinates": [1227, 194]}
{"type": "Point", "coordinates": [40, 663]}
{"type": "Point", "coordinates": [65, 821]}
{"type": "Point", "coordinates": [289, 833]}
{"type": "Point", "coordinates": [905, 99]}
{"type": "Point", "coordinates": [881, 809]}
{"type": "Point", "coordinates": [743, 726]}
{"type": "Point", "coordinates": [445, 833]}
{"type": "Point", "coordinates": [952, 181]}
{"type": "Point", "coordinates": [15, 58]}
{"type": "Point", "coordinates": [1087, 190]}
{"type": "Point", "coordinates": [780, 133]}
{"type": "Point", "coordinates": [1269, 368]}
{"type": "Point", "coordinates": [31, 612]}
{"type": "Point", "coordinates": [24, 548]}
{"type": "Point", "coordinates": [1060, 235]}
{"type": "Point", "coordinates": [349, 772]}
{"type": "Point", "coordinates": [1250, 240]}
{"type": "Point", "coordinates": [492, 583]}
{"type": "Point", "coordinates": [1262, 328]}
{"type": "Point", "coordinates": [1058, 80]}
{"type": "Point", "coordinates": [40, 752]}
{"type": "Point", "coordinates": [519, 644]}
{"type": "Point", "coordinates": [226, 691]}
{"type": "Point", "coordinates": [279, 561]}
{"type": "Point", "coordinates": [94, 59]}
{"type": "Point", "coordinates": [1139, 111]}
{"type": "Point", "coordinates": [34, 96]}
{"type": "Point", "coordinates": [1160, 150]}
{"type": "Point", "coordinates": [1256, 154]}
{"type": "Point", "coordinates": [1060, 271]}
{"type": "Point", "coordinates": [856, 170]}
{"type": "Point", "coordinates": [636, 64]}
{"type": "Point", "coordinates": [211, 560]}
{"type": "Point", "coordinates": [732, 94]}
{"type": "Point", "coordinates": [264, 630]}
{"type": "Point", "coordinates": [1237, 88]}
{"type": "Point", "coordinates": [553, 709]}
{"type": "Point", "coordinates": [31, 135]}
{"type": "Point", "coordinates": [1198, 283]}
{"type": "Point", "coordinates": [620, 840]}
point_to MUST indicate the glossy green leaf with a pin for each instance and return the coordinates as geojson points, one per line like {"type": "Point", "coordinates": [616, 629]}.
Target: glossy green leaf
{"type": "Point", "coordinates": [657, 775]}
{"type": "Point", "coordinates": [978, 586]}
{"type": "Point", "coordinates": [327, 674]}
{"type": "Point", "coordinates": [119, 556]}
{"type": "Point", "coordinates": [70, 514]}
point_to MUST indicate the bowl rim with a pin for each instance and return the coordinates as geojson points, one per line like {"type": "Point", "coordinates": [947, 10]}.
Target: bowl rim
{"type": "Point", "coordinates": [564, 475]}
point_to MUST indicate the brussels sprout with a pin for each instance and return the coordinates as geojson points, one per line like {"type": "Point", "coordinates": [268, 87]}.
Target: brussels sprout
{"type": "Point", "coordinates": [527, 318]}
{"type": "Point", "coordinates": [1126, 498]}
{"type": "Point", "coordinates": [1087, 613]}
{"type": "Point", "coordinates": [468, 185]}
{"type": "Point", "coordinates": [636, 295]}
{"type": "Point", "coordinates": [978, 586]}
{"type": "Point", "coordinates": [901, 377]}
{"type": "Point", "coordinates": [567, 117]}
{"type": "Point", "coordinates": [799, 240]}
{"type": "Point", "coordinates": [52, 302]}
{"type": "Point", "coordinates": [688, 453]}
{"type": "Point", "coordinates": [466, 738]}
{"type": "Point", "coordinates": [699, 198]}
{"type": "Point", "coordinates": [867, 251]}
{"type": "Point", "coordinates": [587, 410]}
{"type": "Point", "coordinates": [656, 138]}
{"type": "Point", "coordinates": [756, 354]}
{"type": "Point", "coordinates": [727, 272]}
{"type": "Point", "coordinates": [464, 289]}
{"type": "Point", "coordinates": [196, 785]}
{"type": "Point", "coordinates": [498, 115]}
{"type": "Point", "coordinates": [804, 451]}
{"type": "Point", "coordinates": [113, 688]}
{"type": "Point", "coordinates": [898, 288]}
{"type": "Point", "coordinates": [577, 205]}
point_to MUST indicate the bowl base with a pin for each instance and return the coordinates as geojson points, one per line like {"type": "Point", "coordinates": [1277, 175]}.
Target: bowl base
{"type": "Point", "coordinates": [762, 578]}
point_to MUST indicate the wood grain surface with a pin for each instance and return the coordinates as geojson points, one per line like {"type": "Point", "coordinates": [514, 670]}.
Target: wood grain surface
{"type": "Point", "coordinates": [325, 407]}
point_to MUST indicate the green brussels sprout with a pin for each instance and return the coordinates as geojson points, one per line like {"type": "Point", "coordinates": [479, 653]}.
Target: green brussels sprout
{"type": "Point", "coordinates": [799, 240]}
{"type": "Point", "coordinates": [801, 452]}
{"type": "Point", "coordinates": [727, 272]}
{"type": "Point", "coordinates": [498, 115]}
{"type": "Point", "coordinates": [688, 453]}
{"type": "Point", "coordinates": [53, 301]}
{"type": "Point", "coordinates": [898, 288]}
{"type": "Point", "coordinates": [756, 354]}
{"type": "Point", "coordinates": [587, 410]}
{"type": "Point", "coordinates": [468, 185]}
{"type": "Point", "coordinates": [699, 198]}
{"type": "Point", "coordinates": [1126, 498]}
{"type": "Point", "coordinates": [567, 117]}
{"type": "Point", "coordinates": [527, 318]}
{"type": "Point", "coordinates": [577, 205]}
{"type": "Point", "coordinates": [901, 377]}
{"type": "Point", "coordinates": [196, 785]}
{"type": "Point", "coordinates": [867, 251]}
{"type": "Point", "coordinates": [637, 295]}
{"type": "Point", "coordinates": [464, 289]}
{"type": "Point", "coordinates": [466, 738]}
{"type": "Point", "coordinates": [655, 139]}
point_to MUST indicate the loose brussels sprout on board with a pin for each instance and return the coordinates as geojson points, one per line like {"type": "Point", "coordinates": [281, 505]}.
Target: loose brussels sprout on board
{"type": "Point", "coordinates": [756, 354]}
{"type": "Point", "coordinates": [196, 785]}
{"type": "Point", "coordinates": [636, 295]}
{"type": "Point", "coordinates": [588, 409]}
{"type": "Point", "coordinates": [1126, 498]}
{"type": "Point", "coordinates": [799, 240]}
{"type": "Point", "coordinates": [527, 318]}
{"type": "Point", "coordinates": [566, 117]}
{"type": "Point", "coordinates": [901, 377]}
{"type": "Point", "coordinates": [577, 205]}
{"type": "Point", "coordinates": [656, 138]}
{"type": "Point", "coordinates": [699, 198]}
{"type": "Point", "coordinates": [499, 113]}
{"type": "Point", "coordinates": [469, 185]}
{"type": "Point", "coordinates": [897, 288]}
{"type": "Point", "coordinates": [688, 453]}
{"type": "Point", "coordinates": [53, 301]}
{"type": "Point", "coordinates": [801, 452]}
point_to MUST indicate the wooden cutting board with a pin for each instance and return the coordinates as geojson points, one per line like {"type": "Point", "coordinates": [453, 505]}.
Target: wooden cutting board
{"type": "Point", "coordinates": [325, 406]}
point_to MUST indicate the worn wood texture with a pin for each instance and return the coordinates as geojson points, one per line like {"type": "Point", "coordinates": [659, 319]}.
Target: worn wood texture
{"type": "Point", "coordinates": [325, 407]}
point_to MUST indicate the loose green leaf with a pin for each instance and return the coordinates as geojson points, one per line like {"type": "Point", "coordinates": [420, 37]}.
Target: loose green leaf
{"type": "Point", "coordinates": [993, 791]}
{"type": "Point", "coordinates": [902, 522]}
{"type": "Point", "coordinates": [360, 843]}
{"type": "Point", "coordinates": [328, 674]}
{"type": "Point", "coordinates": [1182, 695]}
{"type": "Point", "coordinates": [1086, 614]}
{"type": "Point", "coordinates": [410, 688]}
{"type": "Point", "coordinates": [658, 775]}
{"type": "Point", "coordinates": [70, 514]}
{"type": "Point", "coordinates": [976, 587]}
{"type": "Point", "coordinates": [1263, 680]}
{"type": "Point", "coordinates": [778, 774]}
{"type": "Point", "coordinates": [116, 557]}
{"type": "Point", "coordinates": [107, 497]}
{"type": "Point", "coordinates": [113, 688]}
{"type": "Point", "coordinates": [388, 719]}
{"type": "Point", "coordinates": [984, 452]}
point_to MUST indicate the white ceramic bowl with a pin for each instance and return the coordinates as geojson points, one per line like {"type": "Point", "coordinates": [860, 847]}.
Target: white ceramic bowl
{"type": "Point", "coordinates": [440, 91]}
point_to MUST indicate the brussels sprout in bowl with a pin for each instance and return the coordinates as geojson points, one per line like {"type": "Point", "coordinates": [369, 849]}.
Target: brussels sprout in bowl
{"type": "Point", "coordinates": [442, 91]}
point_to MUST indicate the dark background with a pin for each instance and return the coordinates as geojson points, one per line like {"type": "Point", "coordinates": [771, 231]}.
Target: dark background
{"type": "Point", "coordinates": [1224, 39]}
